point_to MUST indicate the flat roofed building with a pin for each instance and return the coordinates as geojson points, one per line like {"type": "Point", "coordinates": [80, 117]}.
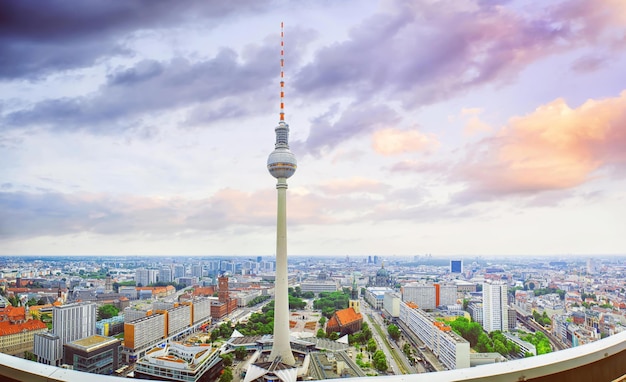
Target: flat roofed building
{"type": "Point", "coordinates": [450, 348]}
{"type": "Point", "coordinates": [375, 296]}
{"type": "Point", "coordinates": [178, 361]}
{"type": "Point", "coordinates": [95, 354]}
{"type": "Point", "coordinates": [201, 309]}
{"type": "Point", "coordinates": [318, 286]}
{"type": "Point", "coordinates": [142, 333]}
{"type": "Point", "coordinates": [48, 348]}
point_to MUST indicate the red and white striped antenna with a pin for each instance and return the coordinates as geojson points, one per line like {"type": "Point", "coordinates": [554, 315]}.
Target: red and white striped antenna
{"type": "Point", "coordinates": [282, 73]}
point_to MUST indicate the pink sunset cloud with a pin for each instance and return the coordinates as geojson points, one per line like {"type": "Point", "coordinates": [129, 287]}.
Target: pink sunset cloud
{"type": "Point", "coordinates": [555, 147]}
{"type": "Point", "coordinates": [391, 141]}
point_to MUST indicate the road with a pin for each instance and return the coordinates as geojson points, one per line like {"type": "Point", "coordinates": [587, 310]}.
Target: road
{"type": "Point", "coordinates": [391, 350]}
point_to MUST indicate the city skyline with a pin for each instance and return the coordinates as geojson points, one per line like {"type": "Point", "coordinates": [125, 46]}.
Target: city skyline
{"type": "Point", "coordinates": [457, 129]}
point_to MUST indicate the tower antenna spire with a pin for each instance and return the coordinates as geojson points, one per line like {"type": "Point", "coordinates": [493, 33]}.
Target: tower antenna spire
{"type": "Point", "coordinates": [282, 72]}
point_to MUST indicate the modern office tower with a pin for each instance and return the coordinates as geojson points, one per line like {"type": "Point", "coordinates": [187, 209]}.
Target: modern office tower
{"type": "Point", "coordinates": [145, 277]}
{"type": "Point", "coordinates": [495, 307]}
{"type": "Point", "coordinates": [69, 323]}
{"type": "Point", "coordinates": [196, 270]}
{"type": "Point", "coordinates": [281, 164]}
{"type": "Point", "coordinates": [179, 271]}
{"type": "Point", "coordinates": [74, 321]}
{"type": "Point", "coordinates": [166, 275]}
{"type": "Point", "coordinates": [456, 266]}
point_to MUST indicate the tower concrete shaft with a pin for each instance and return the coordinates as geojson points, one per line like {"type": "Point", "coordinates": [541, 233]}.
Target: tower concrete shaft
{"type": "Point", "coordinates": [282, 346]}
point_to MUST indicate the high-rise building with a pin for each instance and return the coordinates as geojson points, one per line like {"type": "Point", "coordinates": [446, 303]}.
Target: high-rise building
{"type": "Point", "coordinates": [196, 270]}
{"type": "Point", "coordinates": [145, 277]}
{"type": "Point", "coordinates": [166, 275]}
{"type": "Point", "coordinates": [69, 323]}
{"type": "Point", "coordinates": [495, 307]}
{"type": "Point", "coordinates": [74, 321]}
{"type": "Point", "coordinates": [456, 266]}
{"type": "Point", "coordinates": [179, 271]}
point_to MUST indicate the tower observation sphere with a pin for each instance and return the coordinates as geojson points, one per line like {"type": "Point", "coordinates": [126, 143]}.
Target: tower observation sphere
{"type": "Point", "coordinates": [281, 162]}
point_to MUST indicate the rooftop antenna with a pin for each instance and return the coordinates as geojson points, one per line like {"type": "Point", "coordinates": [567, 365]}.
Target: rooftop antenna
{"type": "Point", "coordinates": [282, 73]}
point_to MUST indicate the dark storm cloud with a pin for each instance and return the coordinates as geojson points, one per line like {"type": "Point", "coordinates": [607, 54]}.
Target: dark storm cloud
{"type": "Point", "coordinates": [41, 37]}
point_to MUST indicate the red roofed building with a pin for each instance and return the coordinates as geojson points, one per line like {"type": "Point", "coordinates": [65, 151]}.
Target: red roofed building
{"type": "Point", "coordinates": [345, 321]}
{"type": "Point", "coordinates": [17, 330]}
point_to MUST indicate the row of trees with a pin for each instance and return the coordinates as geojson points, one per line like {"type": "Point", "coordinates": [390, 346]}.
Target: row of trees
{"type": "Point", "coordinates": [480, 341]}
{"type": "Point", "coordinates": [297, 292]}
{"type": "Point", "coordinates": [258, 300]}
{"type": "Point", "coordinates": [329, 302]}
{"type": "Point", "coordinates": [542, 319]}
{"type": "Point", "coordinates": [540, 340]}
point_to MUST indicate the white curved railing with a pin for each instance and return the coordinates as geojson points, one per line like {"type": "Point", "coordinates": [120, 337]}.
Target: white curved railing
{"type": "Point", "coordinates": [576, 359]}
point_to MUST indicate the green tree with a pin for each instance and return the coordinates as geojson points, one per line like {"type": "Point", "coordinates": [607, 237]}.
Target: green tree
{"type": "Point", "coordinates": [227, 375]}
{"type": "Point", "coordinates": [371, 345]}
{"type": "Point", "coordinates": [32, 301]}
{"type": "Point", "coordinates": [379, 361]}
{"type": "Point", "coordinates": [215, 335]}
{"type": "Point", "coordinates": [321, 333]}
{"type": "Point", "coordinates": [394, 332]}
{"type": "Point", "coordinates": [227, 359]}
{"type": "Point", "coordinates": [240, 353]}
{"type": "Point", "coordinates": [107, 311]}
{"type": "Point", "coordinates": [406, 349]}
{"type": "Point", "coordinates": [322, 320]}
{"type": "Point", "coordinates": [333, 336]}
{"type": "Point", "coordinates": [30, 356]}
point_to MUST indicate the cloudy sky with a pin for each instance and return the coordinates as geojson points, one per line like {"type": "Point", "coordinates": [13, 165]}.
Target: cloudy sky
{"type": "Point", "coordinates": [452, 127]}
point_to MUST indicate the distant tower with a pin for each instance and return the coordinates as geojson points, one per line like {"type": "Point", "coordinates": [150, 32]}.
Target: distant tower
{"type": "Point", "coordinates": [108, 285]}
{"type": "Point", "coordinates": [18, 280]}
{"type": "Point", "coordinates": [281, 164]}
{"type": "Point", "coordinates": [222, 289]}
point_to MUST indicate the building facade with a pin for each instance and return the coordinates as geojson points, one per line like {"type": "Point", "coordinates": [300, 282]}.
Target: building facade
{"type": "Point", "coordinates": [450, 348]}
{"type": "Point", "coordinates": [95, 354]}
{"type": "Point", "coordinates": [495, 306]}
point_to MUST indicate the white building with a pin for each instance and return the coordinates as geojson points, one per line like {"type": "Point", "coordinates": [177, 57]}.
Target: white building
{"type": "Point", "coordinates": [495, 307]}
{"type": "Point", "coordinates": [451, 349]}
{"type": "Point", "coordinates": [69, 323]}
{"type": "Point", "coordinates": [430, 296]}
{"type": "Point", "coordinates": [391, 303]}
{"type": "Point", "coordinates": [375, 296]}
{"type": "Point", "coordinates": [178, 362]}
{"type": "Point", "coordinates": [317, 286]}
{"type": "Point", "coordinates": [201, 309]}
{"type": "Point", "coordinates": [48, 348]}
{"type": "Point", "coordinates": [74, 321]}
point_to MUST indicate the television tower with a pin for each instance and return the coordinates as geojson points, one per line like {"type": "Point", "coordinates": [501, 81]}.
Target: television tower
{"type": "Point", "coordinates": [281, 164]}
